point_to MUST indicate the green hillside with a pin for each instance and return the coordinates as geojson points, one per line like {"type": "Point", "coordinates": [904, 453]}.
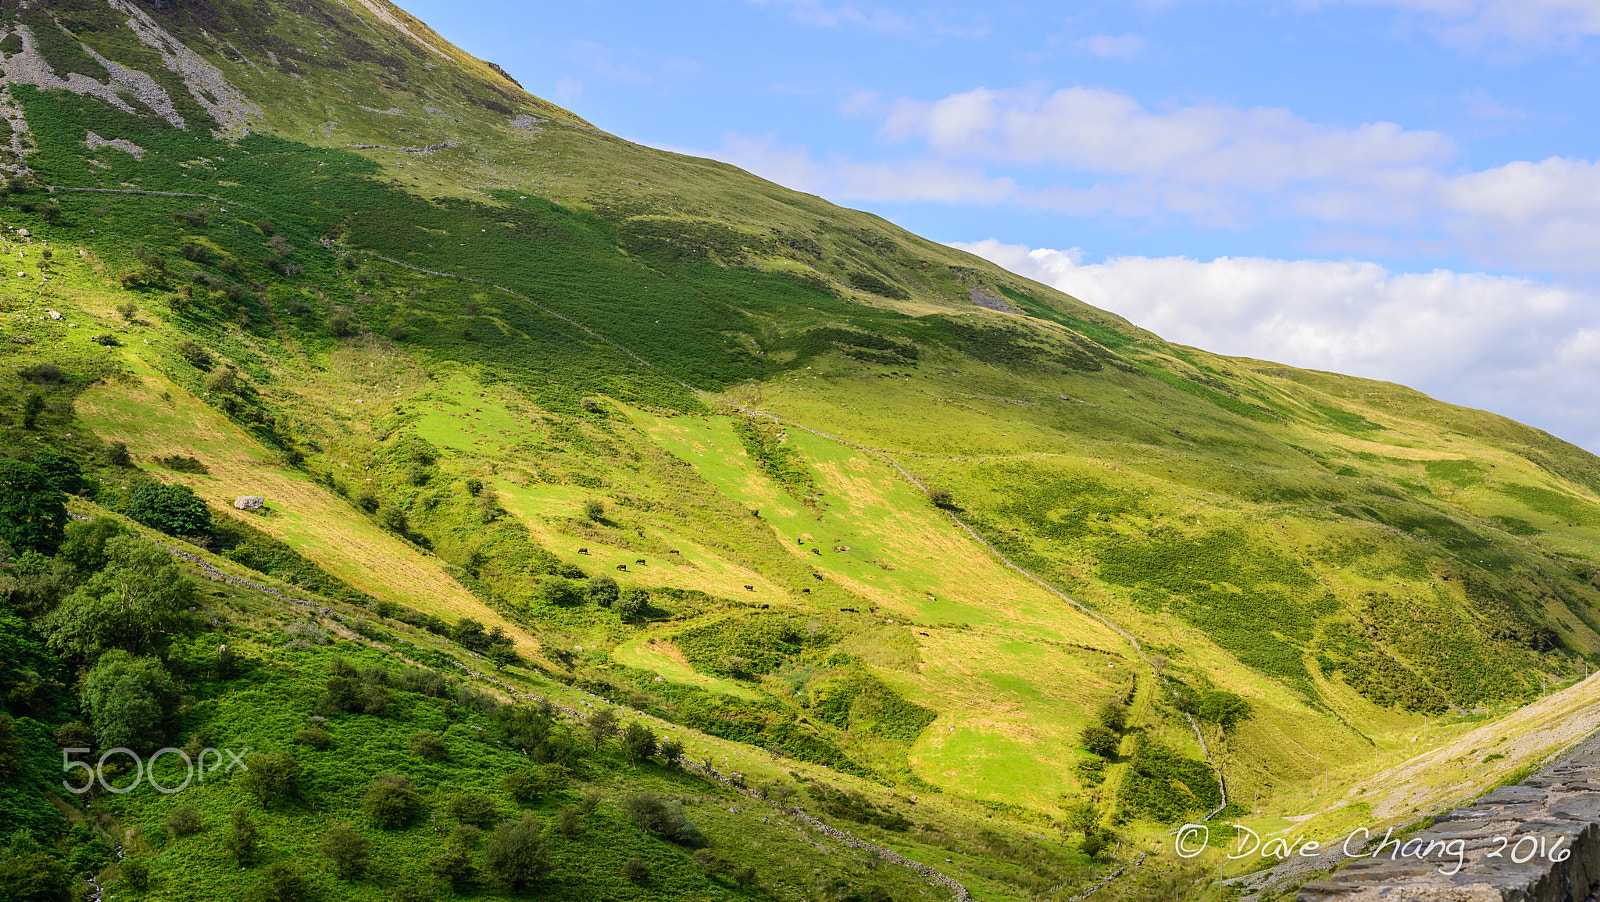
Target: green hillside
{"type": "Point", "coordinates": [987, 577]}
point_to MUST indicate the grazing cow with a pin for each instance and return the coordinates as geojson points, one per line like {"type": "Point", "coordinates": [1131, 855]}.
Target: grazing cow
{"type": "Point", "coordinates": [816, 575]}
{"type": "Point", "coordinates": [673, 551]}
{"type": "Point", "coordinates": [622, 566]}
{"type": "Point", "coordinates": [583, 551]}
{"type": "Point", "coordinates": [639, 561]}
{"type": "Point", "coordinates": [751, 588]}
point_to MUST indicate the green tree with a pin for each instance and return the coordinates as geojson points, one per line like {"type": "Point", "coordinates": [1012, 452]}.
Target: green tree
{"type": "Point", "coordinates": [271, 777]}
{"type": "Point", "coordinates": [516, 854]}
{"type": "Point", "coordinates": [558, 590]}
{"type": "Point", "coordinates": [602, 725]}
{"type": "Point", "coordinates": [139, 600]}
{"type": "Point", "coordinates": [1100, 740]}
{"type": "Point", "coordinates": [473, 808]}
{"type": "Point", "coordinates": [603, 591]}
{"type": "Point", "coordinates": [174, 509]}
{"type": "Point", "coordinates": [33, 512]}
{"type": "Point", "coordinates": [84, 545]}
{"type": "Point", "coordinates": [1082, 815]}
{"type": "Point", "coordinates": [535, 783]}
{"type": "Point", "coordinates": [347, 850]}
{"type": "Point", "coordinates": [244, 837]}
{"type": "Point", "coordinates": [35, 877]}
{"type": "Point", "coordinates": [631, 604]}
{"type": "Point", "coordinates": [671, 751]}
{"type": "Point", "coordinates": [283, 881]}
{"type": "Point", "coordinates": [663, 817]}
{"type": "Point", "coordinates": [392, 802]}
{"type": "Point", "coordinates": [11, 761]}
{"type": "Point", "coordinates": [453, 867]}
{"type": "Point", "coordinates": [32, 409]}
{"type": "Point", "coordinates": [129, 700]}
{"type": "Point", "coordinates": [1113, 715]}
{"type": "Point", "coordinates": [639, 741]}
{"type": "Point", "coordinates": [61, 471]}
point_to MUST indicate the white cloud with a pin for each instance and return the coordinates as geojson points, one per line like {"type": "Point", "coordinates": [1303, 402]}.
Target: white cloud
{"type": "Point", "coordinates": [1480, 104]}
{"type": "Point", "coordinates": [1473, 23]}
{"type": "Point", "coordinates": [1107, 131]}
{"type": "Point", "coordinates": [1106, 46]}
{"type": "Point", "coordinates": [1090, 150]}
{"type": "Point", "coordinates": [838, 178]}
{"type": "Point", "coordinates": [816, 12]}
{"type": "Point", "coordinates": [1516, 346]}
{"type": "Point", "coordinates": [568, 90]}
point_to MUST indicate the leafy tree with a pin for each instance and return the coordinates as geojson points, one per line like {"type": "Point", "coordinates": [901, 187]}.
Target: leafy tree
{"type": "Point", "coordinates": [35, 877]}
{"type": "Point", "coordinates": [1113, 715]}
{"type": "Point", "coordinates": [516, 853]}
{"type": "Point", "coordinates": [197, 356]}
{"type": "Point", "coordinates": [130, 701]}
{"type": "Point", "coordinates": [1081, 815]}
{"type": "Point", "coordinates": [271, 777]}
{"type": "Point", "coordinates": [392, 802]}
{"type": "Point", "coordinates": [174, 509]}
{"type": "Point", "coordinates": [84, 546]}
{"type": "Point", "coordinates": [639, 741]}
{"type": "Point", "coordinates": [1099, 740]}
{"type": "Point", "coordinates": [636, 870]}
{"type": "Point", "coordinates": [453, 867]}
{"type": "Point", "coordinates": [671, 751]}
{"type": "Point", "coordinates": [1096, 842]}
{"type": "Point", "coordinates": [534, 783]}
{"type": "Point", "coordinates": [185, 820]}
{"type": "Point", "coordinates": [134, 604]}
{"type": "Point", "coordinates": [602, 725]}
{"type": "Point", "coordinates": [428, 746]}
{"type": "Point", "coordinates": [558, 590]}
{"type": "Point", "coordinates": [569, 820]}
{"type": "Point", "coordinates": [469, 634]}
{"type": "Point", "coordinates": [61, 471]}
{"type": "Point", "coordinates": [32, 409]}
{"type": "Point", "coordinates": [285, 882]}
{"type": "Point", "coordinates": [244, 837]}
{"type": "Point", "coordinates": [473, 808]}
{"type": "Point", "coordinates": [631, 604]}
{"type": "Point", "coordinates": [347, 850]}
{"type": "Point", "coordinates": [33, 511]}
{"type": "Point", "coordinates": [316, 737]}
{"type": "Point", "coordinates": [663, 817]}
{"type": "Point", "coordinates": [594, 509]}
{"type": "Point", "coordinates": [136, 872]}
{"type": "Point", "coordinates": [11, 761]}
{"type": "Point", "coordinates": [603, 591]}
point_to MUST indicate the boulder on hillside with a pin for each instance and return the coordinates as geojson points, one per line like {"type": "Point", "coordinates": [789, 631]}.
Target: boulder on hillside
{"type": "Point", "coordinates": [250, 503]}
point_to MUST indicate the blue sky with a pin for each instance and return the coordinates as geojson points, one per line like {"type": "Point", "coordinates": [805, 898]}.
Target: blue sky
{"type": "Point", "coordinates": [1401, 189]}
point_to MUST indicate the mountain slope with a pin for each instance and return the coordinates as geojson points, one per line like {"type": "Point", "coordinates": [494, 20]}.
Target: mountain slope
{"type": "Point", "coordinates": [476, 353]}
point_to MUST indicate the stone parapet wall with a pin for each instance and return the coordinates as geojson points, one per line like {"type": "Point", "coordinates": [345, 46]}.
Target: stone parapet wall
{"type": "Point", "coordinates": [1536, 841]}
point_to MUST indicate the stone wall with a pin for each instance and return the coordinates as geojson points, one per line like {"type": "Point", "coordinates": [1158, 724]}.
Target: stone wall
{"type": "Point", "coordinates": [1536, 841]}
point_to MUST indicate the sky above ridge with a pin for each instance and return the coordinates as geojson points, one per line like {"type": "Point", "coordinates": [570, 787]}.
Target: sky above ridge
{"type": "Point", "coordinates": [1401, 189]}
